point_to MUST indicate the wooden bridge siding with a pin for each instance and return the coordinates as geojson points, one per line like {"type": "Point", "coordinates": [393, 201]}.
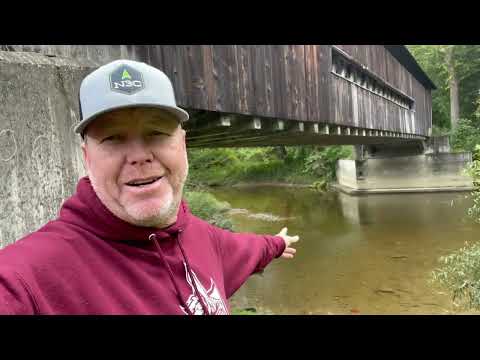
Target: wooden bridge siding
{"type": "Point", "coordinates": [379, 60]}
{"type": "Point", "coordinates": [371, 111]}
{"type": "Point", "coordinates": [262, 73]}
{"type": "Point", "coordinates": [291, 82]}
{"type": "Point", "coordinates": [280, 81]}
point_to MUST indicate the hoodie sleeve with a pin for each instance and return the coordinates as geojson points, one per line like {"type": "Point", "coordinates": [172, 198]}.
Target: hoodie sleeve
{"type": "Point", "coordinates": [14, 298]}
{"type": "Point", "coordinates": [244, 254]}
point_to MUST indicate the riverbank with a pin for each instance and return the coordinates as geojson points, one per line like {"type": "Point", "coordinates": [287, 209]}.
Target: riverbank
{"type": "Point", "coordinates": [307, 165]}
{"type": "Point", "coordinates": [271, 183]}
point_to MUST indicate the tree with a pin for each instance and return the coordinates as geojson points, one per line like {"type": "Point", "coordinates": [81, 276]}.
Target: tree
{"type": "Point", "coordinates": [456, 71]}
{"type": "Point", "coordinates": [461, 62]}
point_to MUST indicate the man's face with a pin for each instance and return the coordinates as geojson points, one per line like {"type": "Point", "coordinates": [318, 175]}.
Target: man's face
{"type": "Point", "coordinates": [137, 162]}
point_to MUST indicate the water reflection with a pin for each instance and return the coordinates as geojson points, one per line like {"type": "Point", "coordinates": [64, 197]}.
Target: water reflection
{"type": "Point", "coordinates": [367, 254]}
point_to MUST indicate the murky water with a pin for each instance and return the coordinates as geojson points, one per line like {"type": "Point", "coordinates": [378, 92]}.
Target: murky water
{"type": "Point", "coordinates": [363, 255]}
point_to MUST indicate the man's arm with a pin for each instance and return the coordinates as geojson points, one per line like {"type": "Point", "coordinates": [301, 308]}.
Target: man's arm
{"type": "Point", "coordinates": [246, 253]}
{"type": "Point", "coordinates": [14, 298]}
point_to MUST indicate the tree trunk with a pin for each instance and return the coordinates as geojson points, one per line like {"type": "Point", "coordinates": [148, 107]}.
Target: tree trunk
{"type": "Point", "coordinates": [454, 95]}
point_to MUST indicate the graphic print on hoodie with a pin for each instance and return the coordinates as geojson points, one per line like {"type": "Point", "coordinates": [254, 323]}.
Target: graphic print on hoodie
{"type": "Point", "coordinates": [211, 297]}
{"type": "Point", "coordinates": [88, 261]}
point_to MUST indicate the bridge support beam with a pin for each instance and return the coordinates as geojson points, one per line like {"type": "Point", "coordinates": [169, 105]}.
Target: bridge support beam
{"type": "Point", "coordinates": [413, 166]}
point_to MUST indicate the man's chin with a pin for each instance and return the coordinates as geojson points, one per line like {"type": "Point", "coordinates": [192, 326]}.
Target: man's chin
{"type": "Point", "coordinates": [159, 216]}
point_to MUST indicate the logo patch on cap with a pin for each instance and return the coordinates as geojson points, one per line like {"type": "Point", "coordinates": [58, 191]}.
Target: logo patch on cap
{"type": "Point", "coordinates": [126, 80]}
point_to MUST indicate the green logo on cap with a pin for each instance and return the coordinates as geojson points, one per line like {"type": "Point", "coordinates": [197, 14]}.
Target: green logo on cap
{"type": "Point", "coordinates": [126, 79]}
{"type": "Point", "coordinates": [126, 75]}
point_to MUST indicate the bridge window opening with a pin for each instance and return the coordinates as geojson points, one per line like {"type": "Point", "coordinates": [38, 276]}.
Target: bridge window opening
{"type": "Point", "coordinates": [359, 75]}
{"type": "Point", "coordinates": [362, 79]}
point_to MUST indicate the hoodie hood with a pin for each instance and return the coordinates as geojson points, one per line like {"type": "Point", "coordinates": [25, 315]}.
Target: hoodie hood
{"type": "Point", "coordinates": [84, 209]}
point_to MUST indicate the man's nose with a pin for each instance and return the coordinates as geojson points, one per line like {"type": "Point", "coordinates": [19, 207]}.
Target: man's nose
{"type": "Point", "coordinates": [138, 153]}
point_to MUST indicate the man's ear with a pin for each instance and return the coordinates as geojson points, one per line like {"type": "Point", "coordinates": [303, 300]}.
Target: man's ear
{"type": "Point", "coordinates": [85, 154]}
{"type": "Point", "coordinates": [183, 134]}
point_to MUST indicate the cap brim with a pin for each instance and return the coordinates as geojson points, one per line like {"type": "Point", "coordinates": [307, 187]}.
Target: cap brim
{"type": "Point", "coordinates": [179, 114]}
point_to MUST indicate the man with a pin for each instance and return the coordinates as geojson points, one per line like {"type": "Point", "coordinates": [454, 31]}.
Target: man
{"type": "Point", "coordinates": [125, 242]}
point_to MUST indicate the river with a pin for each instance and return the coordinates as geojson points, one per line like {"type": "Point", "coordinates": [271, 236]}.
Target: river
{"type": "Point", "coordinates": [356, 255]}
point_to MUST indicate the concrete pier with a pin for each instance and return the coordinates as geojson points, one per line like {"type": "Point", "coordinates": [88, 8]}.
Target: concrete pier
{"type": "Point", "coordinates": [40, 159]}
{"type": "Point", "coordinates": [411, 167]}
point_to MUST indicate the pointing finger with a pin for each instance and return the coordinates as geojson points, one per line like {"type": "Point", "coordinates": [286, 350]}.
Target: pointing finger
{"type": "Point", "coordinates": [294, 238]}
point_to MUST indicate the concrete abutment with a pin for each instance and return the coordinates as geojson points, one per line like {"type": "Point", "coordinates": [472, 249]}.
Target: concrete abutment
{"type": "Point", "coordinates": [414, 166]}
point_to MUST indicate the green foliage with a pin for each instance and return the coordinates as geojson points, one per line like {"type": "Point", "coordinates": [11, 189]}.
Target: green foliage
{"type": "Point", "coordinates": [299, 164]}
{"type": "Point", "coordinates": [432, 60]}
{"type": "Point", "coordinates": [466, 135]}
{"type": "Point", "coordinates": [465, 62]}
{"type": "Point", "coordinates": [474, 172]}
{"type": "Point", "coordinates": [439, 131]}
{"type": "Point", "coordinates": [322, 162]}
{"type": "Point", "coordinates": [460, 271]}
{"type": "Point", "coordinates": [207, 207]}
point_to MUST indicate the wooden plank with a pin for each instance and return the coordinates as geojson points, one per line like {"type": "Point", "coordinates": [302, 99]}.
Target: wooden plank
{"type": "Point", "coordinates": [278, 81]}
{"type": "Point", "coordinates": [226, 80]}
{"type": "Point", "coordinates": [324, 92]}
{"type": "Point", "coordinates": [347, 103]}
{"type": "Point", "coordinates": [298, 81]}
{"type": "Point", "coordinates": [355, 105]}
{"type": "Point", "coordinates": [155, 56]}
{"type": "Point", "coordinates": [362, 54]}
{"type": "Point", "coordinates": [380, 62]}
{"type": "Point", "coordinates": [269, 96]}
{"type": "Point", "coordinates": [363, 108]}
{"type": "Point", "coordinates": [311, 80]}
{"type": "Point", "coordinates": [184, 73]}
{"type": "Point", "coordinates": [334, 101]}
{"type": "Point", "coordinates": [245, 80]}
{"type": "Point", "coordinates": [195, 77]}
{"type": "Point", "coordinates": [170, 55]}
{"type": "Point", "coordinates": [259, 75]}
{"type": "Point", "coordinates": [291, 99]}
{"type": "Point", "coordinates": [209, 77]}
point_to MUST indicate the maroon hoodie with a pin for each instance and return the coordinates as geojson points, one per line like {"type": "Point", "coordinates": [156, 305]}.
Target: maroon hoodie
{"type": "Point", "coordinates": [88, 261]}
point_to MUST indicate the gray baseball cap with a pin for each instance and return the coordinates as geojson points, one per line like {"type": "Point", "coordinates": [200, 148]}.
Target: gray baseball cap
{"type": "Point", "coordinates": [123, 84]}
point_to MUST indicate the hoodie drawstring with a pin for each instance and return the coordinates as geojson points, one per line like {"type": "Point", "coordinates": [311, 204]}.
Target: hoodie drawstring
{"type": "Point", "coordinates": [153, 238]}
{"type": "Point", "coordinates": [200, 298]}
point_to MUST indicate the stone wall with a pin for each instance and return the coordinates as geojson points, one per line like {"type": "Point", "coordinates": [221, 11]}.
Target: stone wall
{"type": "Point", "coordinates": [40, 158]}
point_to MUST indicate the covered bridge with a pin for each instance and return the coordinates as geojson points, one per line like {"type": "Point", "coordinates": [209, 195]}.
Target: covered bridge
{"type": "Point", "coordinates": [257, 95]}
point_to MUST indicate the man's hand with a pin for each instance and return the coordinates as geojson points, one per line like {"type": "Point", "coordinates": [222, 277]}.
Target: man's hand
{"type": "Point", "coordinates": [289, 252]}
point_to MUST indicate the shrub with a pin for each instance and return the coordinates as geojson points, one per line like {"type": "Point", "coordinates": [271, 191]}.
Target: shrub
{"type": "Point", "coordinates": [465, 136]}
{"type": "Point", "coordinates": [460, 271]}
{"type": "Point", "coordinates": [323, 162]}
{"type": "Point", "coordinates": [207, 207]}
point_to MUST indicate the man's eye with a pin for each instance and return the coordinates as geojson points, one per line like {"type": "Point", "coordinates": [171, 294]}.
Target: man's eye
{"type": "Point", "coordinates": [158, 133]}
{"type": "Point", "coordinates": [111, 138]}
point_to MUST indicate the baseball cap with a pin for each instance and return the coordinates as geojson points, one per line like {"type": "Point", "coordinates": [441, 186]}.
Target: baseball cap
{"type": "Point", "coordinates": [123, 84]}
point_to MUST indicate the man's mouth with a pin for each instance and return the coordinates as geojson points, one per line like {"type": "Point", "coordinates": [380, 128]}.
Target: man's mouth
{"type": "Point", "coordinates": [143, 182]}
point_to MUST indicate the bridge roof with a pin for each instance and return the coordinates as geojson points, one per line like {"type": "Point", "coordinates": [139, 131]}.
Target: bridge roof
{"type": "Point", "coordinates": [401, 53]}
